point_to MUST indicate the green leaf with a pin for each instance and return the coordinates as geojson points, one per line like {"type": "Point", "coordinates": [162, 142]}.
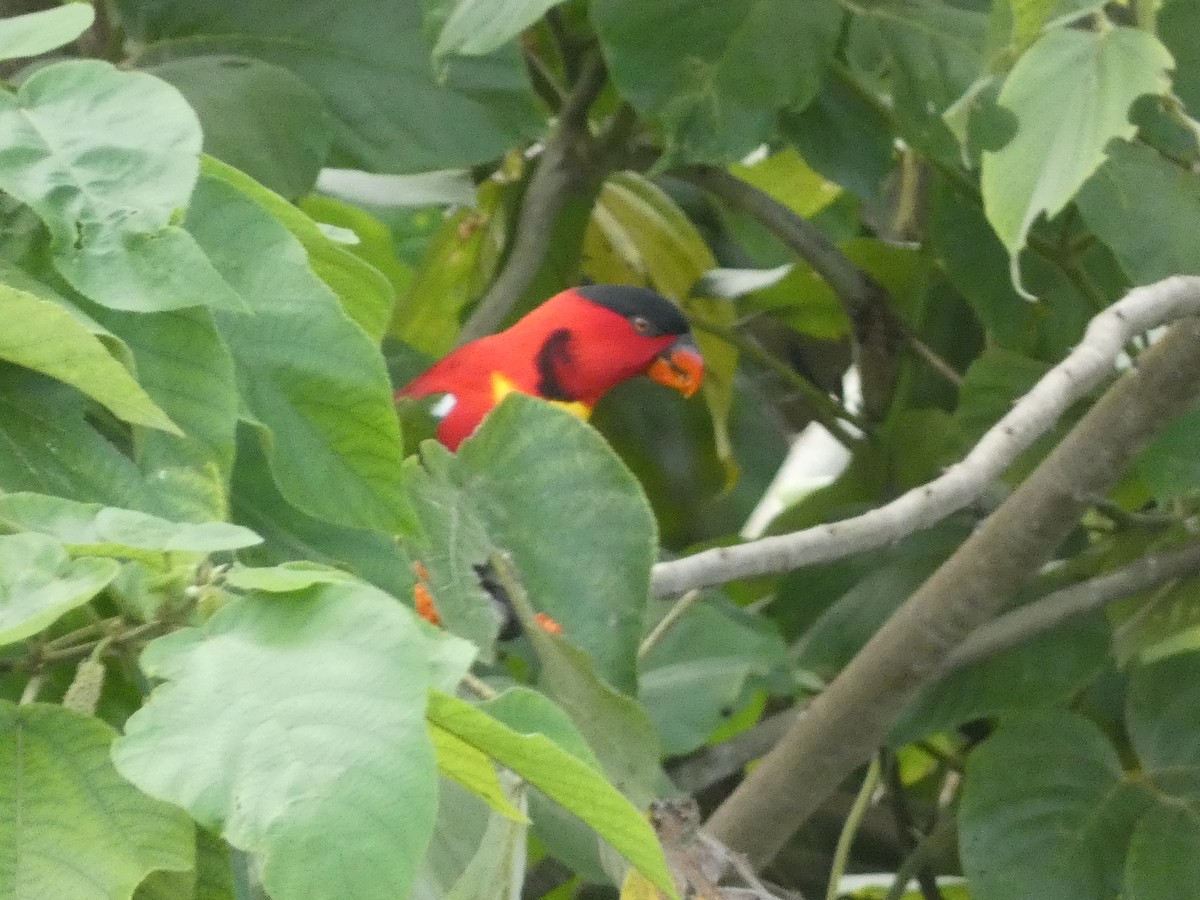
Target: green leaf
{"type": "Point", "coordinates": [563, 778]}
{"type": "Point", "coordinates": [41, 335]}
{"type": "Point", "coordinates": [38, 583]}
{"type": "Point", "coordinates": [1164, 854]}
{"type": "Point", "coordinates": [107, 159]}
{"type": "Point", "coordinates": [70, 826]}
{"type": "Point", "coordinates": [40, 32]}
{"type": "Point", "coordinates": [471, 768]}
{"type": "Point", "coordinates": [53, 449]}
{"type": "Point", "coordinates": [364, 292]}
{"type": "Point", "coordinates": [258, 117]}
{"type": "Point", "coordinates": [790, 180]}
{"type": "Point", "coordinates": [186, 367]}
{"type": "Point", "coordinates": [369, 61]}
{"type": "Point", "coordinates": [106, 531]}
{"type": "Point", "coordinates": [309, 376]}
{"type": "Point", "coordinates": [295, 726]}
{"type": "Point", "coordinates": [587, 565]}
{"type": "Point", "coordinates": [476, 27]}
{"type": "Point", "coordinates": [700, 673]}
{"type": "Point", "coordinates": [1046, 813]}
{"type": "Point", "coordinates": [715, 74]}
{"type": "Point", "coordinates": [1071, 94]}
{"type": "Point", "coordinates": [1147, 209]}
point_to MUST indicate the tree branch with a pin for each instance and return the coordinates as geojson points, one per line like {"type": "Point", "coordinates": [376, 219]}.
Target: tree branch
{"type": "Point", "coordinates": [1030, 621]}
{"type": "Point", "coordinates": [842, 727]}
{"type": "Point", "coordinates": [878, 330]}
{"type": "Point", "coordinates": [562, 169]}
{"type": "Point", "coordinates": [1033, 415]}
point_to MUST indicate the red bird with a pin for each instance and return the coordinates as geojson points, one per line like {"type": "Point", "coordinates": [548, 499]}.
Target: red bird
{"type": "Point", "coordinates": [571, 350]}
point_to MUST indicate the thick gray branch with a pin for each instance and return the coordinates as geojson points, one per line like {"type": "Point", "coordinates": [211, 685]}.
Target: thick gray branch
{"type": "Point", "coordinates": [843, 726]}
{"type": "Point", "coordinates": [1033, 415]}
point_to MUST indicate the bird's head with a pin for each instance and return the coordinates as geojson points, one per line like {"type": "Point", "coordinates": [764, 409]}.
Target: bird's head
{"type": "Point", "coordinates": [592, 338]}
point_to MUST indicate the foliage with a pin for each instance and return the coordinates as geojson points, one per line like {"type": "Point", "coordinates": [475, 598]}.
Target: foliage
{"type": "Point", "coordinates": [212, 528]}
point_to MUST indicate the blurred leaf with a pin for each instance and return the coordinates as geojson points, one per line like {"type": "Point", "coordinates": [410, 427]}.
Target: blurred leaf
{"type": "Point", "coordinates": [369, 61]}
{"type": "Point", "coordinates": [699, 674]}
{"type": "Point", "coordinates": [72, 827]}
{"type": "Point", "coordinates": [789, 179]}
{"type": "Point", "coordinates": [1047, 811]}
{"type": "Point", "coordinates": [563, 778]}
{"type": "Point", "coordinates": [1147, 209]}
{"type": "Point", "coordinates": [40, 32]}
{"type": "Point", "coordinates": [107, 531]}
{"type": "Point", "coordinates": [329, 688]}
{"type": "Point", "coordinates": [363, 291]}
{"type": "Point", "coordinates": [455, 270]}
{"type": "Point", "coordinates": [729, 284]}
{"type": "Point", "coordinates": [41, 335]}
{"type": "Point", "coordinates": [107, 159]}
{"type": "Point", "coordinates": [312, 380]}
{"type": "Point", "coordinates": [921, 54]}
{"type": "Point", "coordinates": [38, 583]}
{"type": "Point", "coordinates": [476, 27]}
{"type": "Point", "coordinates": [1161, 720]}
{"type": "Point", "coordinates": [716, 84]}
{"type": "Point", "coordinates": [1164, 854]}
{"type": "Point", "coordinates": [258, 117]}
{"type": "Point", "coordinates": [1061, 136]}
{"type": "Point", "coordinates": [586, 564]}
{"type": "Point", "coordinates": [992, 383]}
{"type": "Point", "coordinates": [1046, 671]}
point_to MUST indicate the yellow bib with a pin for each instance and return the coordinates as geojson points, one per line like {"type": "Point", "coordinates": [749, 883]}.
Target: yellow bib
{"type": "Point", "coordinates": [502, 387]}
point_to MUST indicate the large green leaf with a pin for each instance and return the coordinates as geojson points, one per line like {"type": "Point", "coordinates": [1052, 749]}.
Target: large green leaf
{"type": "Point", "coordinates": [295, 725]}
{"type": "Point", "coordinates": [40, 32]}
{"type": "Point", "coordinates": [38, 583]}
{"type": "Point", "coordinates": [105, 530]}
{"type": "Point", "coordinates": [1147, 209]}
{"type": "Point", "coordinates": [370, 63]}
{"type": "Point", "coordinates": [186, 367]}
{"type": "Point", "coordinates": [1046, 812]}
{"type": "Point", "coordinates": [259, 117]}
{"type": "Point", "coordinates": [309, 376]}
{"type": "Point", "coordinates": [715, 74]}
{"type": "Point", "coordinates": [70, 826]}
{"type": "Point", "coordinates": [107, 159]}
{"type": "Point", "coordinates": [41, 335]}
{"type": "Point", "coordinates": [539, 484]}
{"type": "Point", "coordinates": [563, 777]}
{"type": "Point", "coordinates": [1070, 94]}
{"type": "Point", "coordinates": [363, 291]}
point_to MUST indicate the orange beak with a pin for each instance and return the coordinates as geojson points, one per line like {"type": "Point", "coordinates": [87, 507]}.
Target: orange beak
{"type": "Point", "coordinates": [680, 367]}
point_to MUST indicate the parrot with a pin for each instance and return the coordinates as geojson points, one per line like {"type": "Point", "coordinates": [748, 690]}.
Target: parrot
{"type": "Point", "coordinates": [570, 350]}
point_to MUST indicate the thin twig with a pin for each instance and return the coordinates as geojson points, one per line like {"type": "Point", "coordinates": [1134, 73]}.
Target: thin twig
{"type": "Point", "coordinates": [1030, 621]}
{"type": "Point", "coordinates": [562, 169]}
{"type": "Point", "coordinates": [825, 411]}
{"type": "Point", "coordinates": [682, 605]}
{"type": "Point", "coordinates": [862, 801]}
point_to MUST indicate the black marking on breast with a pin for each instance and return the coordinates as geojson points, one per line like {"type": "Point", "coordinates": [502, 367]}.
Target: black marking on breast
{"type": "Point", "coordinates": [553, 357]}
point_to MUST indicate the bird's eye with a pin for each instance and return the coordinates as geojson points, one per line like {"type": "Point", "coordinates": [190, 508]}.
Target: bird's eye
{"type": "Point", "coordinates": [642, 325]}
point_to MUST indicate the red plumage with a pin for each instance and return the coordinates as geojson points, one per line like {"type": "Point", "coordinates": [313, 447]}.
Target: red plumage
{"type": "Point", "coordinates": [573, 349]}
